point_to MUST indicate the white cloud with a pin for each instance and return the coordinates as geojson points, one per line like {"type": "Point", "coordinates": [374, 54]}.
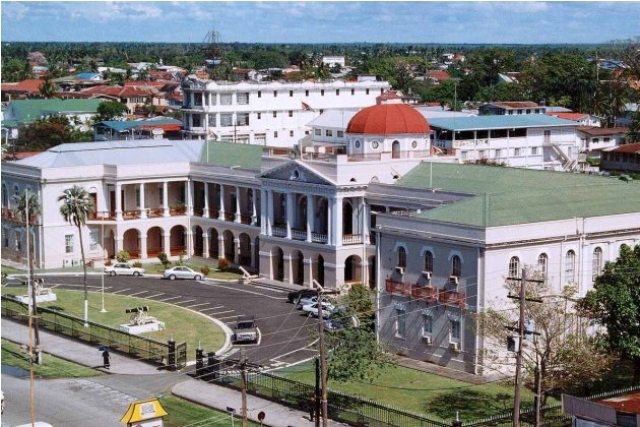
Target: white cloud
{"type": "Point", "coordinates": [14, 11]}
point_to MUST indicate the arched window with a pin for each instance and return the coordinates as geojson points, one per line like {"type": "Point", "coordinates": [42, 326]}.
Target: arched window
{"type": "Point", "coordinates": [456, 266]}
{"type": "Point", "coordinates": [428, 261]}
{"type": "Point", "coordinates": [596, 263]}
{"type": "Point", "coordinates": [402, 257]}
{"type": "Point", "coordinates": [514, 267]}
{"type": "Point", "coordinates": [543, 264]}
{"type": "Point", "coordinates": [570, 267]}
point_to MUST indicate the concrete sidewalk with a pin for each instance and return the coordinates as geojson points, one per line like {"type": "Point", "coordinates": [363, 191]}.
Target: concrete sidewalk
{"type": "Point", "coordinates": [200, 392]}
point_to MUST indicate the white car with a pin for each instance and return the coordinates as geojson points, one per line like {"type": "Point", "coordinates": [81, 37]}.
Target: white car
{"type": "Point", "coordinates": [123, 269]}
{"type": "Point", "coordinates": [312, 309]}
{"type": "Point", "coordinates": [181, 272]}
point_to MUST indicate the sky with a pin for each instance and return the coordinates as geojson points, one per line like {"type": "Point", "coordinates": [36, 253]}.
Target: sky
{"type": "Point", "coordinates": [473, 22]}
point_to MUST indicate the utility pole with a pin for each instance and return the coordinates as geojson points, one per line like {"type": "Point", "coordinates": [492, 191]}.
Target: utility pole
{"type": "Point", "coordinates": [316, 402]}
{"type": "Point", "coordinates": [323, 361]}
{"type": "Point", "coordinates": [243, 373]}
{"type": "Point", "coordinates": [521, 329]}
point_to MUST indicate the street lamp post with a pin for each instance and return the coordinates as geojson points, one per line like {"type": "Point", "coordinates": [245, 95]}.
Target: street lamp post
{"type": "Point", "coordinates": [102, 310]}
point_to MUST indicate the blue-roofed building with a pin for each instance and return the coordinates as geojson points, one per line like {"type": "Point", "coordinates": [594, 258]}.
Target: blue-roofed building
{"type": "Point", "coordinates": [534, 141]}
{"type": "Point", "coordinates": [153, 128]}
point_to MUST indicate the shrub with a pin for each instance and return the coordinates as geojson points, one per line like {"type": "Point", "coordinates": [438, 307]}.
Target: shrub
{"type": "Point", "coordinates": [164, 259]}
{"type": "Point", "coordinates": [223, 264]}
{"type": "Point", "coordinates": [204, 270]}
{"type": "Point", "coordinates": [137, 264]}
{"type": "Point", "coordinates": [123, 256]}
{"type": "Point", "coordinates": [107, 263]}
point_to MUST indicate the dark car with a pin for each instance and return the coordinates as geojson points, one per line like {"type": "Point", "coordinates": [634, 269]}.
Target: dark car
{"type": "Point", "coordinates": [294, 297]}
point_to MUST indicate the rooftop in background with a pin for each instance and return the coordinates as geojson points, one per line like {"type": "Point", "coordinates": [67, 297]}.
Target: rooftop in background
{"type": "Point", "coordinates": [598, 131]}
{"type": "Point", "coordinates": [498, 122]}
{"type": "Point", "coordinates": [228, 154]}
{"type": "Point", "coordinates": [28, 110]}
{"type": "Point", "coordinates": [166, 123]}
{"type": "Point", "coordinates": [508, 196]}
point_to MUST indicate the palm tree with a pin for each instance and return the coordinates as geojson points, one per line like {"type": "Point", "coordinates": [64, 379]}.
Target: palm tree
{"type": "Point", "coordinates": [76, 207]}
{"type": "Point", "coordinates": [26, 209]}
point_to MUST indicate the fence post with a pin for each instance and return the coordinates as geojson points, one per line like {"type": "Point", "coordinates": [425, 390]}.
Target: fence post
{"type": "Point", "coordinates": [199, 362]}
{"type": "Point", "coordinates": [213, 366]}
{"type": "Point", "coordinates": [171, 356]}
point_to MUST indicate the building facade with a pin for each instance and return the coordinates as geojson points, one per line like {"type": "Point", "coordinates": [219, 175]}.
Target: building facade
{"type": "Point", "coordinates": [273, 114]}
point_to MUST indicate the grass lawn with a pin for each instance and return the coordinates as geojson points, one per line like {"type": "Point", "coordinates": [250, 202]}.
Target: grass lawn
{"type": "Point", "coordinates": [422, 393]}
{"type": "Point", "coordinates": [181, 324]}
{"type": "Point", "coordinates": [184, 413]}
{"type": "Point", "coordinates": [51, 367]}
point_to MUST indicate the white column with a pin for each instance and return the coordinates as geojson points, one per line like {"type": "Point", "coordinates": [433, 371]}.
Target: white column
{"type": "Point", "coordinates": [330, 215]}
{"type": "Point", "coordinates": [269, 212]}
{"type": "Point", "coordinates": [166, 237]}
{"type": "Point", "coordinates": [221, 196]}
{"type": "Point", "coordinates": [143, 209]}
{"type": "Point", "coordinates": [143, 246]}
{"type": "Point", "coordinates": [205, 212]}
{"type": "Point", "coordinates": [364, 221]}
{"type": "Point", "coordinates": [205, 244]}
{"type": "Point", "coordinates": [119, 243]}
{"type": "Point", "coordinates": [238, 216]}
{"type": "Point", "coordinates": [263, 212]}
{"type": "Point", "coordinates": [118, 202]}
{"type": "Point", "coordinates": [189, 200]}
{"type": "Point", "coordinates": [310, 216]}
{"type": "Point", "coordinates": [289, 213]}
{"type": "Point", "coordinates": [252, 248]}
{"type": "Point", "coordinates": [221, 253]}
{"type": "Point", "coordinates": [165, 200]}
{"type": "Point", "coordinates": [337, 221]}
{"type": "Point", "coordinates": [254, 214]}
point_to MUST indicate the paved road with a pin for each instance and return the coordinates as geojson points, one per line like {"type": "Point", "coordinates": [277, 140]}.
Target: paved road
{"type": "Point", "coordinates": [285, 333]}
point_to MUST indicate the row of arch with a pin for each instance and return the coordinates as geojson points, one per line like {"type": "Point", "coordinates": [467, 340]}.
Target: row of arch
{"type": "Point", "coordinates": [569, 266]}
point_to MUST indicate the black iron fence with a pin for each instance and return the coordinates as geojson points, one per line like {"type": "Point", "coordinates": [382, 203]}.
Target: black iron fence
{"type": "Point", "coordinates": [143, 348]}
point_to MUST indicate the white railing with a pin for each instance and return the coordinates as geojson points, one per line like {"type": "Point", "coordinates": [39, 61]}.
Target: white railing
{"type": "Point", "coordinates": [318, 237]}
{"type": "Point", "coordinates": [351, 239]}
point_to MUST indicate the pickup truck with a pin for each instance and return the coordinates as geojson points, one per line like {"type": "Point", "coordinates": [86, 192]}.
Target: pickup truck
{"type": "Point", "coordinates": [245, 331]}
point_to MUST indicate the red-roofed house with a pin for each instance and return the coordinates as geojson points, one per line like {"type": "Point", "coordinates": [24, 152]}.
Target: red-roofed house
{"type": "Point", "coordinates": [623, 158]}
{"type": "Point", "coordinates": [438, 76]}
{"type": "Point", "coordinates": [615, 410]}
{"type": "Point", "coordinates": [28, 88]}
{"type": "Point", "coordinates": [594, 139]}
{"type": "Point", "coordinates": [583, 118]}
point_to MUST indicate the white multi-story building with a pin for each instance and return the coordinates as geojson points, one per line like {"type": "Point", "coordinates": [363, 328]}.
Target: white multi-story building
{"type": "Point", "coordinates": [534, 141]}
{"type": "Point", "coordinates": [273, 114]}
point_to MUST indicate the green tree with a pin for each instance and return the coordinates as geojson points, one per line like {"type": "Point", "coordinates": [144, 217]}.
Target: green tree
{"type": "Point", "coordinates": [76, 207]}
{"type": "Point", "coordinates": [614, 302]}
{"type": "Point", "coordinates": [549, 358]}
{"type": "Point", "coordinates": [47, 88]}
{"type": "Point", "coordinates": [27, 209]}
{"type": "Point", "coordinates": [111, 110]}
{"type": "Point", "coordinates": [634, 128]}
{"type": "Point", "coordinates": [45, 133]}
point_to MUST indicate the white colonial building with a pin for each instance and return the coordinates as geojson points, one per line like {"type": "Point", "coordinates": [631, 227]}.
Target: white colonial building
{"type": "Point", "coordinates": [435, 239]}
{"type": "Point", "coordinates": [534, 141]}
{"type": "Point", "coordinates": [273, 114]}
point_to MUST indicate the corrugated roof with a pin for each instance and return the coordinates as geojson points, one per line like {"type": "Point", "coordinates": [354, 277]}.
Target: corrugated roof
{"type": "Point", "coordinates": [228, 154]}
{"type": "Point", "coordinates": [598, 131]}
{"type": "Point", "coordinates": [27, 110]}
{"type": "Point", "coordinates": [132, 152]}
{"type": "Point", "coordinates": [498, 122]}
{"type": "Point", "coordinates": [123, 125]}
{"type": "Point", "coordinates": [508, 196]}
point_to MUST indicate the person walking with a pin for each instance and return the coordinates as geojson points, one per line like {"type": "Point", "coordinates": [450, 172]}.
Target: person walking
{"type": "Point", "coordinates": [106, 358]}
{"type": "Point", "coordinates": [311, 402]}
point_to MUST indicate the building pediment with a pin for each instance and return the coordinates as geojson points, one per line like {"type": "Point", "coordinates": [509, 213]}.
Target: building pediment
{"type": "Point", "coordinates": [296, 172]}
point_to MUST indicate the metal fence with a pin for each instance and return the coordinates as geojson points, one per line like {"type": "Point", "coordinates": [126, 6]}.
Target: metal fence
{"type": "Point", "coordinates": [100, 335]}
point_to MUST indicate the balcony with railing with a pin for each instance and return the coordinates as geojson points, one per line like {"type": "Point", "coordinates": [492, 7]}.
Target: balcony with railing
{"type": "Point", "coordinates": [427, 293]}
{"type": "Point", "coordinates": [352, 239]}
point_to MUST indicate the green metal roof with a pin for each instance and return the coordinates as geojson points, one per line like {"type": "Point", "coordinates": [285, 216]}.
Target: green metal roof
{"type": "Point", "coordinates": [123, 125]}
{"type": "Point", "coordinates": [229, 154]}
{"type": "Point", "coordinates": [508, 196]}
{"type": "Point", "coordinates": [28, 110]}
{"type": "Point", "coordinates": [498, 122]}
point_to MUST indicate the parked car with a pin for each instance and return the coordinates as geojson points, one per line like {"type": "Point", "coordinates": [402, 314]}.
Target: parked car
{"type": "Point", "coordinates": [306, 301]}
{"type": "Point", "coordinates": [123, 269]}
{"type": "Point", "coordinates": [338, 320]}
{"type": "Point", "coordinates": [181, 272]}
{"type": "Point", "coordinates": [294, 296]}
{"type": "Point", "coordinates": [312, 309]}
{"type": "Point", "coordinates": [245, 331]}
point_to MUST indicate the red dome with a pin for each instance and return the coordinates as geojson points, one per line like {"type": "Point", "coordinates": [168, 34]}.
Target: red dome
{"type": "Point", "coordinates": [388, 119]}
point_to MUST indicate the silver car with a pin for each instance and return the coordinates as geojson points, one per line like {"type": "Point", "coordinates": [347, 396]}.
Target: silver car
{"type": "Point", "coordinates": [123, 269]}
{"type": "Point", "coordinates": [181, 272]}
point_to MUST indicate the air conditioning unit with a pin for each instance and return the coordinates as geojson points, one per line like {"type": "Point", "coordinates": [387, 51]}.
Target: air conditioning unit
{"type": "Point", "coordinates": [454, 346]}
{"type": "Point", "coordinates": [400, 270]}
{"type": "Point", "coordinates": [427, 339]}
{"type": "Point", "coordinates": [427, 274]}
{"type": "Point", "coordinates": [454, 280]}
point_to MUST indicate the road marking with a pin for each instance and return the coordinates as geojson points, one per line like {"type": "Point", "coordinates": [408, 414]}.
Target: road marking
{"type": "Point", "coordinates": [169, 299]}
{"type": "Point", "coordinates": [211, 308]}
{"type": "Point", "coordinates": [223, 312]}
{"type": "Point", "coordinates": [121, 290]}
{"type": "Point", "coordinates": [155, 296]}
{"type": "Point", "coordinates": [138, 293]}
{"type": "Point", "coordinates": [196, 305]}
{"type": "Point", "coordinates": [229, 317]}
{"type": "Point", "coordinates": [243, 290]}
